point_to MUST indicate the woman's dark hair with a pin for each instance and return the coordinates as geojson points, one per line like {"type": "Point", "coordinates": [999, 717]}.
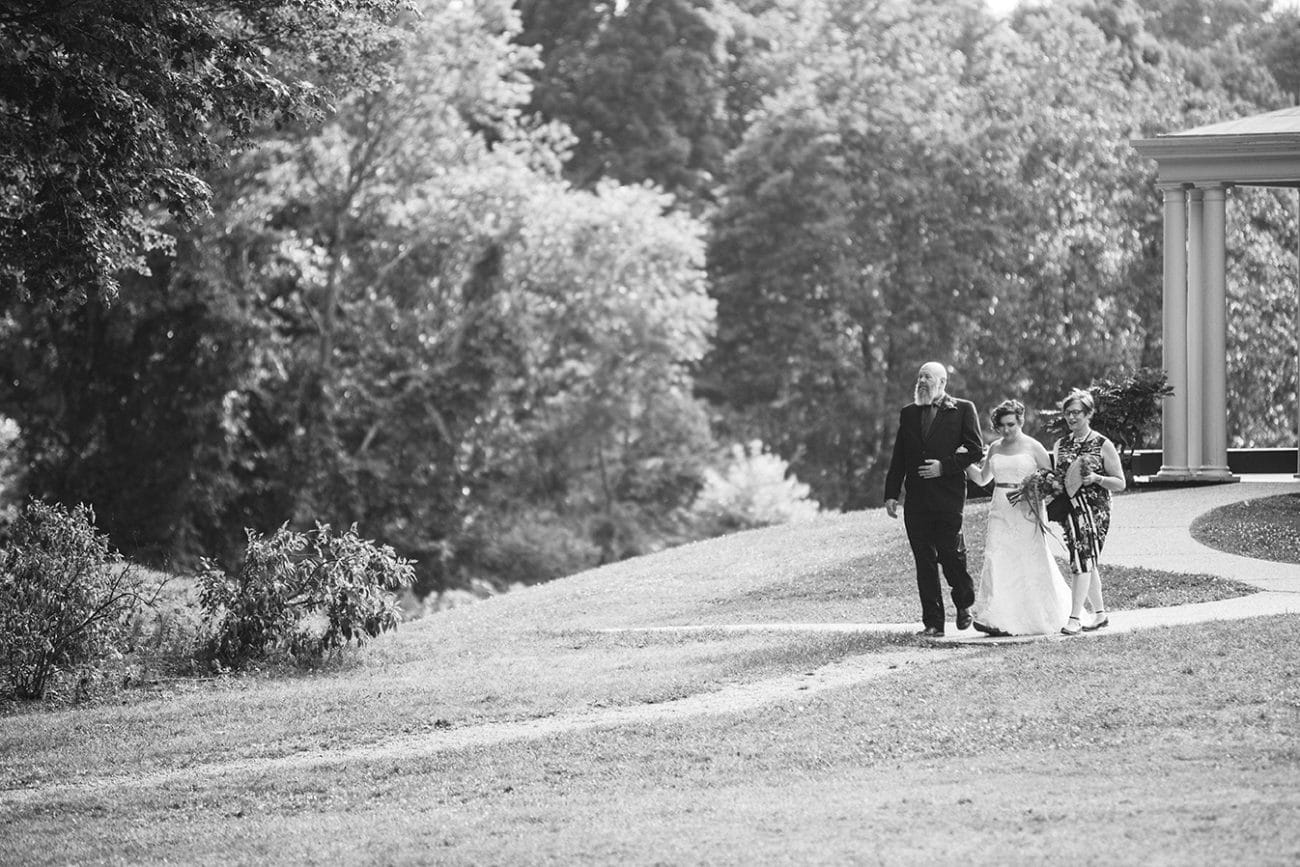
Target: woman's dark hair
{"type": "Point", "coordinates": [1007, 407]}
{"type": "Point", "coordinates": [1081, 397]}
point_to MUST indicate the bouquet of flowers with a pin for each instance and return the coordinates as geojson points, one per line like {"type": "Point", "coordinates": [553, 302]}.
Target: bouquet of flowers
{"type": "Point", "coordinates": [1083, 465]}
{"type": "Point", "coordinates": [1035, 490]}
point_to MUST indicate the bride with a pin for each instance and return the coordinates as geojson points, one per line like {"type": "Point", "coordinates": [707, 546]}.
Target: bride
{"type": "Point", "coordinates": [1021, 590]}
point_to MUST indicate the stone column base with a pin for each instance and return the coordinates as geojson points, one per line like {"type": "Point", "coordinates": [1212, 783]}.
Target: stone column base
{"type": "Point", "coordinates": [1174, 474]}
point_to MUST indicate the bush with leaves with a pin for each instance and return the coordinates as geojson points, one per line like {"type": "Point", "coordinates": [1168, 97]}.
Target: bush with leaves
{"type": "Point", "coordinates": [528, 546]}
{"type": "Point", "coordinates": [1126, 409]}
{"type": "Point", "coordinates": [755, 489]}
{"type": "Point", "coordinates": [64, 597]}
{"type": "Point", "coordinates": [302, 595]}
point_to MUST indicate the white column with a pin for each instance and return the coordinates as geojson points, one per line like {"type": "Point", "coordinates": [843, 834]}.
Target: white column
{"type": "Point", "coordinates": [1174, 407]}
{"type": "Point", "coordinates": [1297, 349]}
{"type": "Point", "coordinates": [1214, 429]}
{"type": "Point", "coordinates": [1196, 268]}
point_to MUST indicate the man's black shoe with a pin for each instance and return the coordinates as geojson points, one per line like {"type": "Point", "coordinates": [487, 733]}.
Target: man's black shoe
{"type": "Point", "coordinates": [931, 632]}
{"type": "Point", "coordinates": [963, 618]}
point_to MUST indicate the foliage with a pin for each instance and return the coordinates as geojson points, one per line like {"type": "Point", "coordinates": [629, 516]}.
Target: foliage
{"type": "Point", "coordinates": [921, 189]}
{"type": "Point", "coordinates": [754, 489]}
{"type": "Point", "coordinates": [1126, 409]}
{"type": "Point", "coordinates": [113, 111]}
{"type": "Point", "coordinates": [404, 315]}
{"type": "Point", "coordinates": [11, 474]}
{"type": "Point", "coordinates": [168, 639]}
{"type": "Point", "coordinates": [444, 317]}
{"type": "Point", "coordinates": [528, 547]}
{"type": "Point", "coordinates": [64, 594]}
{"type": "Point", "coordinates": [1279, 47]}
{"type": "Point", "coordinates": [127, 406]}
{"type": "Point", "coordinates": [640, 83]}
{"type": "Point", "coordinates": [1199, 24]}
{"type": "Point", "coordinates": [605, 427]}
{"type": "Point", "coordinates": [916, 194]}
{"type": "Point", "coordinates": [398, 319]}
{"type": "Point", "coordinates": [290, 579]}
{"type": "Point", "coordinates": [1261, 318]}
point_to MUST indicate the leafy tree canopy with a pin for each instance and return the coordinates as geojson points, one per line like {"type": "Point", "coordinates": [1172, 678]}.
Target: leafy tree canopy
{"type": "Point", "coordinates": [111, 112]}
{"type": "Point", "coordinates": [639, 82]}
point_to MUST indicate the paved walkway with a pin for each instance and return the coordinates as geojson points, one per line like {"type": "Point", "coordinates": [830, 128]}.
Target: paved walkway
{"type": "Point", "coordinates": [1152, 529]}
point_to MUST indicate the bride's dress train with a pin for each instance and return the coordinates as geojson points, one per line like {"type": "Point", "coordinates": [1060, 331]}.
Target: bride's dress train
{"type": "Point", "coordinates": [1021, 590]}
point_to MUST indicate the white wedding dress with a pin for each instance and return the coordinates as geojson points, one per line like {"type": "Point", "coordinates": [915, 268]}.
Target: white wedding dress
{"type": "Point", "coordinates": [1021, 590]}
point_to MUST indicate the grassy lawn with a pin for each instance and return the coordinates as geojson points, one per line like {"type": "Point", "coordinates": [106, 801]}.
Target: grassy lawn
{"type": "Point", "coordinates": [1266, 529]}
{"type": "Point", "coordinates": [1156, 747]}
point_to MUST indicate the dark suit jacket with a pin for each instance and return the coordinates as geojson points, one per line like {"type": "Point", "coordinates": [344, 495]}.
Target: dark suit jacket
{"type": "Point", "coordinates": [955, 427]}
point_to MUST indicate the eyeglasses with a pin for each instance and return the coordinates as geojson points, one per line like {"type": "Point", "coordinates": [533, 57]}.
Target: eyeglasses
{"type": "Point", "coordinates": [1073, 412]}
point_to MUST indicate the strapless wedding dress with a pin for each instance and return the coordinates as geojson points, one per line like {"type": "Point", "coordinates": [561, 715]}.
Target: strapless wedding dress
{"type": "Point", "coordinates": [1021, 590]}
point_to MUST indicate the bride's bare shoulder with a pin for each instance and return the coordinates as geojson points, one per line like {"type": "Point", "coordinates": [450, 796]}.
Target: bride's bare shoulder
{"type": "Point", "coordinates": [1039, 452]}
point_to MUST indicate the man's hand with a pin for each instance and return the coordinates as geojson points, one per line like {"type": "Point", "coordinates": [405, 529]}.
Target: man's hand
{"type": "Point", "coordinates": [931, 469]}
{"type": "Point", "coordinates": [891, 507]}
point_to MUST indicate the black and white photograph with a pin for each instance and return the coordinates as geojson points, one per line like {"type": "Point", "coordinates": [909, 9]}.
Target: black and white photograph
{"type": "Point", "coordinates": [545, 433]}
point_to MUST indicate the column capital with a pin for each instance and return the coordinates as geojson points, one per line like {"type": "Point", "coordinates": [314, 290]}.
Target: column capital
{"type": "Point", "coordinates": [1168, 187]}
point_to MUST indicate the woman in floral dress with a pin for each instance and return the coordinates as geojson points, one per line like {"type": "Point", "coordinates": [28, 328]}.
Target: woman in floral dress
{"type": "Point", "coordinates": [1099, 475]}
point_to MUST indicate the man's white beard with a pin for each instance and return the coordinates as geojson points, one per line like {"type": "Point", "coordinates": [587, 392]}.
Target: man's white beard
{"type": "Point", "coordinates": [922, 395]}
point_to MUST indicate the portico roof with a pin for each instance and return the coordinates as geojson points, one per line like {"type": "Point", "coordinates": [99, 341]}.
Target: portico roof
{"type": "Point", "coordinates": [1262, 150]}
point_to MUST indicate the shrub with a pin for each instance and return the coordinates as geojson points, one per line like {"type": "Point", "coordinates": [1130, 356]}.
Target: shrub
{"type": "Point", "coordinates": [167, 639]}
{"type": "Point", "coordinates": [530, 546]}
{"type": "Point", "coordinates": [303, 594]}
{"type": "Point", "coordinates": [754, 489]}
{"type": "Point", "coordinates": [64, 597]}
{"type": "Point", "coordinates": [1127, 410]}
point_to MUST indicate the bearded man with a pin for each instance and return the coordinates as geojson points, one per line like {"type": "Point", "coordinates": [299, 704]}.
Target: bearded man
{"type": "Point", "coordinates": [938, 438]}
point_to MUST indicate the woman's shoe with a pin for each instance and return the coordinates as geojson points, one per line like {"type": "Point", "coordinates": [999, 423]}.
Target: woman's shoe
{"type": "Point", "coordinates": [1101, 622]}
{"type": "Point", "coordinates": [1066, 630]}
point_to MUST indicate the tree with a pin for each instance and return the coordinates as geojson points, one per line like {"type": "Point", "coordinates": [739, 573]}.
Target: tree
{"type": "Point", "coordinates": [1235, 59]}
{"type": "Point", "coordinates": [125, 405]}
{"type": "Point", "coordinates": [368, 253]}
{"type": "Point", "coordinates": [1280, 48]}
{"type": "Point", "coordinates": [924, 191]}
{"type": "Point", "coordinates": [1261, 318]}
{"type": "Point", "coordinates": [414, 267]}
{"type": "Point", "coordinates": [111, 113]}
{"type": "Point", "coordinates": [641, 84]}
{"type": "Point", "coordinates": [606, 428]}
{"type": "Point", "coordinates": [1199, 24]}
{"type": "Point", "coordinates": [363, 333]}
